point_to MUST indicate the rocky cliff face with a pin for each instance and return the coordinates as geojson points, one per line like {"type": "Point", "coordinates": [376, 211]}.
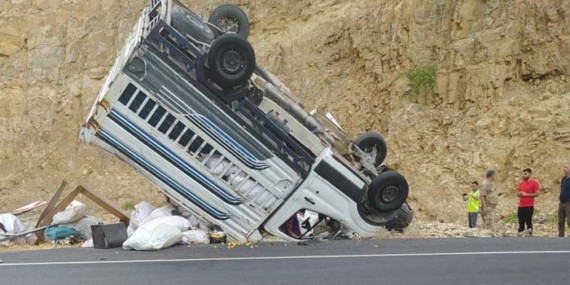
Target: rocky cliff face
{"type": "Point", "coordinates": [501, 100]}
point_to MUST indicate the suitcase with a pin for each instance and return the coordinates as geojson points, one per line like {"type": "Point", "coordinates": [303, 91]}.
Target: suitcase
{"type": "Point", "coordinates": [109, 236]}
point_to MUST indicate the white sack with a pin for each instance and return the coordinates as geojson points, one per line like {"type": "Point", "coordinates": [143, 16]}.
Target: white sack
{"type": "Point", "coordinates": [177, 222]}
{"type": "Point", "coordinates": [203, 227]}
{"type": "Point", "coordinates": [31, 239]}
{"type": "Point", "coordinates": [157, 237]}
{"type": "Point", "coordinates": [130, 230]}
{"type": "Point", "coordinates": [83, 226]}
{"type": "Point", "coordinates": [195, 237]}
{"type": "Point", "coordinates": [141, 212]}
{"type": "Point", "coordinates": [13, 225]}
{"type": "Point", "coordinates": [195, 222]}
{"type": "Point", "coordinates": [185, 213]}
{"type": "Point", "coordinates": [75, 211]}
{"type": "Point", "coordinates": [165, 211]}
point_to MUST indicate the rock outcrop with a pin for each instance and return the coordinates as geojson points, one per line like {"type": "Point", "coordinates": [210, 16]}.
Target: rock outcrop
{"type": "Point", "coordinates": [501, 99]}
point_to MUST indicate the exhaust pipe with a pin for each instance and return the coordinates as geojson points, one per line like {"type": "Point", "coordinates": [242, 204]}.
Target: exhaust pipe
{"type": "Point", "coordinates": [264, 74]}
{"type": "Point", "coordinates": [296, 111]}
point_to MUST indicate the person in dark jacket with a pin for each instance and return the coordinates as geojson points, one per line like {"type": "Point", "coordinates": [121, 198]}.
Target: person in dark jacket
{"type": "Point", "coordinates": [564, 206]}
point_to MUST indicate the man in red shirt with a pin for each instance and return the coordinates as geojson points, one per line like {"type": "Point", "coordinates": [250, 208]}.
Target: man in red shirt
{"type": "Point", "coordinates": [528, 189]}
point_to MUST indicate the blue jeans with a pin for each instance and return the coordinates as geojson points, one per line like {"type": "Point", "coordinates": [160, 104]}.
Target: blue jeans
{"type": "Point", "coordinates": [472, 218]}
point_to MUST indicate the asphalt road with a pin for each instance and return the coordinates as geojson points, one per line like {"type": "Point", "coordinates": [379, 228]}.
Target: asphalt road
{"type": "Point", "coordinates": [504, 261]}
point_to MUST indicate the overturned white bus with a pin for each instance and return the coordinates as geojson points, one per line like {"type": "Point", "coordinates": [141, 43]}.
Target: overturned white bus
{"type": "Point", "coordinates": [187, 106]}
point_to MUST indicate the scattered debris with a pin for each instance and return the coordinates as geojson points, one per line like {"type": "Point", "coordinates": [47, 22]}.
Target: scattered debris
{"type": "Point", "coordinates": [74, 212]}
{"type": "Point", "coordinates": [29, 207]}
{"type": "Point", "coordinates": [141, 212]}
{"type": "Point", "coordinates": [60, 233]}
{"type": "Point", "coordinates": [70, 211]}
{"type": "Point", "coordinates": [21, 238]}
{"type": "Point", "coordinates": [12, 226]}
{"type": "Point", "coordinates": [312, 241]}
{"type": "Point", "coordinates": [195, 237]}
{"type": "Point", "coordinates": [154, 236]}
{"type": "Point", "coordinates": [88, 243]}
{"type": "Point", "coordinates": [83, 225]}
{"type": "Point", "coordinates": [217, 236]}
{"type": "Point", "coordinates": [195, 222]}
{"type": "Point", "coordinates": [440, 230]}
{"type": "Point", "coordinates": [152, 228]}
{"type": "Point", "coordinates": [65, 222]}
{"type": "Point", "coordinates": [323, 235]}
{"type": "Point", "coordinates": [109, 236]}
{"type": "Point", "coordinates": [161, 228]}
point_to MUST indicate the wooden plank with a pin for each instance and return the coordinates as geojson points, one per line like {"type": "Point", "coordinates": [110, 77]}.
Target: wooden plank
{"type": "Point", "coordinates": [52, 202]}
{"type": "Point", "coordinates": [58, 208]}
{"type": "Point", "coordinates": [106, 204]}
{"type": "Point", "coordinates": [101, 201]}
{"type": "Point", "coordinates": [61, 206]}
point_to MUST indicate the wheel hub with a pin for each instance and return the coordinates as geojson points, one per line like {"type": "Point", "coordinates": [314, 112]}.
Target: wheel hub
{"type": "Point", "coordinates": [371, 153]}
{"type": "Point", "coordinates": [232, 61]}
{"type": "Point", "coordinates": [366, 159]}
{"type": "Point", "coordinates": [390, 194]}
{"type": "Point", "coordinates": [228, 24]}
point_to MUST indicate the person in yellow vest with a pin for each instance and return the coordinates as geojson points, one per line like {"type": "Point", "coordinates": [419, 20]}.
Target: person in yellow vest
{"type": "Point", "coordinates": [473, 204]}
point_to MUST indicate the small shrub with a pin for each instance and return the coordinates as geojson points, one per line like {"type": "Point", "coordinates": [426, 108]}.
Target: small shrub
{"type": "Point", "coordinates": [511, 218]}
{"type": "Point", "coordinates": [421, 79]}
{"type": "Point", "coordinates": [128, 206]}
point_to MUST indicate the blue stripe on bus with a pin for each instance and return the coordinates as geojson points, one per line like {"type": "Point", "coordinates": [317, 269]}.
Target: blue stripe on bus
{"type": "Point", "coordinates": [238, 150]}
{"type": "Point", "coordinates": [173, 158]}
{"type": "Point", "coordinates": [163, 177]}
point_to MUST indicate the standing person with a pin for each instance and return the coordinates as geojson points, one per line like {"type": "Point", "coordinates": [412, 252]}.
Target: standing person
{"type": "Point", "coordinates": [564, 206]}
{"type": "Point", "coordinates": [473, 204]}
{"type": "Point", "coordinates": [528, 190]}
{"type": "Point", "coordinates": [489, 201]}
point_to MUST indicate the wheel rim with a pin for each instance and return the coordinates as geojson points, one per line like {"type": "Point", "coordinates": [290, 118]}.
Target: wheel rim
{"type": "Point", "coordinates": [390, 194]}
{"type": "Point", "coordinates": [228, 24]}
{"type": "Point", "coordinates": [232, 61]}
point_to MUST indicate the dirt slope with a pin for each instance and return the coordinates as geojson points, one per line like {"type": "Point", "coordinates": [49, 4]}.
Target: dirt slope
{"type": "Point", "coordinates": [501, 102]}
